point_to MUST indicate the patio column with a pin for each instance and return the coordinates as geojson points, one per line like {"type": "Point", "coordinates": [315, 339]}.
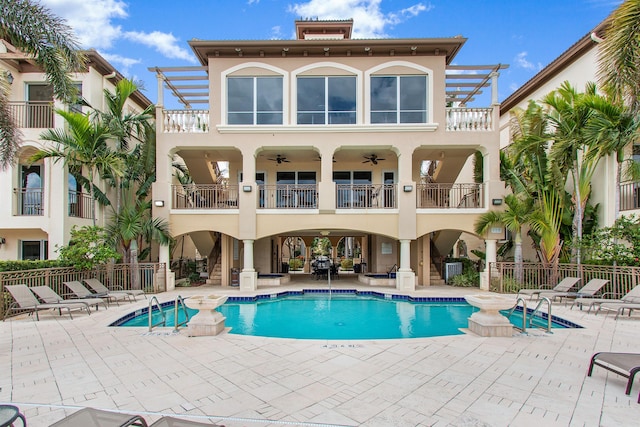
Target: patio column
{"type": "Point", "coordinates": [491, 257]}
{"type": "Point", "coordinates": [248, 276]}
{"type": "Point", "coordinates": [405, 277]}
{"type": "Point", "coordinates": [164, 257]}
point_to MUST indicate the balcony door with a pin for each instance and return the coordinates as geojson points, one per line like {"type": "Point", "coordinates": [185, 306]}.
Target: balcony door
{"type": "Point", "coordinates": [353, 188]}
{"type": "Point", "coordinates": [295, 189]}
{"type": "Point", "coordinates": [31, 190]}
{"type": "Point", "coordinates": [39, 105]}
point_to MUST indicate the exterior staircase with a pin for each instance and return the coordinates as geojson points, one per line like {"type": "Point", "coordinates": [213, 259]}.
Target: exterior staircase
{"type": "Point", "coordinates": [435, 278]}
{"type": "Point", "coordinates": [215, 277]}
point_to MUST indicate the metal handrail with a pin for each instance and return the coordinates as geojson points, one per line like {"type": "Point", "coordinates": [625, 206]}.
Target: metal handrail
{"type": "Point", "coordinates": [537, 309]}
{"type": "Point", "coordinates": [179, 300]}
{"type": "Point", "coordinates": [164, 318]}
{"type": "Point", "coordinates": [524, 314]}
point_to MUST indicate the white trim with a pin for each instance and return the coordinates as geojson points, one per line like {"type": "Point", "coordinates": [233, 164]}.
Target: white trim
{"type": "Point", "coordinates": [255, 129]}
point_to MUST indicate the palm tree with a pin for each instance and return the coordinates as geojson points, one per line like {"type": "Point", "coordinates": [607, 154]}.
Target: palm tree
{"type": "Point", "coordinates": [82, 146]}
{"type": "Point", "coordinates": [514, 218]}
{"type": "Point", "coordinates": [619, 55]}
{"type": "Point", "coordinates": [33, 29]}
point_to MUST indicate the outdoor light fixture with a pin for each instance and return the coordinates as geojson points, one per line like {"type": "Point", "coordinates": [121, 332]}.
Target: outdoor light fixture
{"type": "Point", "coordinates": [496, 202]}
{"type": "Point", "coordinates": [246, 188]}
{"type": "Point", "coordinates": [9, 77]}
{"type": "Point", "coordinates": [407, 188]}
{"type": "Point", "coordinates": [158, 203]}
{"type": "Point", "coordinates": [2, 241]}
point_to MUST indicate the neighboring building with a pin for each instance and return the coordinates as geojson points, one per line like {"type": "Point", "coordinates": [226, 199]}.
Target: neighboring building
{"type": "Point", "coordinates": [578, 65]}
{"type": "Point", "coordinates": [41, 202]}
{"type": "Point", "coordinates": [327, 136]}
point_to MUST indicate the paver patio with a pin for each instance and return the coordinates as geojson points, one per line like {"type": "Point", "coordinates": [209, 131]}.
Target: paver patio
{"type": "Point", "coordinates": [53, 367]}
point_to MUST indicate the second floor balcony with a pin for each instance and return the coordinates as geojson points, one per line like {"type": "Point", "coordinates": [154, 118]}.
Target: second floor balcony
{"type": "Point", "coordinates": [32, 114]}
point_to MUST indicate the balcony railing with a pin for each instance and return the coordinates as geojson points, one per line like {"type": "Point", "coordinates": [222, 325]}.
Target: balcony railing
{"type": "Point", "coordinates": [185, 121]}
{"type": "Point", "coordinates": [441, 196]}
{"type": "Point", "coordinates": [31, 114]}
{"type": "Point", "coordinates": [205, 196]}
{"type": "Point", "coordinates": [469, 119]}
{"type": "Point", "coordinates": [80, 205]}
{"type": "Point", "coordinates": [366, 196]}
{"type": "Point", "coordinates": [30, 201]}
{"type": "Point", "coordinates": [630, 196]}
{"type": "Point", "coordinates": [300, 196]}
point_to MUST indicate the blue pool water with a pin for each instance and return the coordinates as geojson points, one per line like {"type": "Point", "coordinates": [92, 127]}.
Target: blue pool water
{"type": "Point", "coordinates": [339, 316]}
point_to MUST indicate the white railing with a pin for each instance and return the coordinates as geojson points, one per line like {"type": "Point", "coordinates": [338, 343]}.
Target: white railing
{"type": "Point", "coordinates": [185, 121]}
{"type": "Point", "coordinates": [469, 119]}
{"type": "Point", "coordinates": [32, 114]}
{"type": "Point", "coordinates": [288, 196]}
{"type": "Point", "coordinates": [440, 196]}
{"type": "Point", "coordinates": [366, 196]}
{"type": "Point", "coordinates": [205, 196]}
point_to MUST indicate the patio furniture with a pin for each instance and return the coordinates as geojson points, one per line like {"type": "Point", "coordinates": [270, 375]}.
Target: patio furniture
{"type": "Point", "coordinates": [563, 286]}
{"type": "Point", "coordinates": [177, 422]}
{"type": "Point", "coordinates": [25, 300]}
{"type": "Point", "coordinates": [592, 287]}
{"type": "Point", "coordinates": [99, 288]}
{"type": "Point", "coordinates": [624, 364]}
{"type": "Point", "coordinates": [633, 296]}
{"type": "Point", "coordinates": [81, 292]}
{"type": "Point", "coordinates": [48, 295]}
{"type": "Point", "coordinates": [619, 307]}
{"type": "Point", "coordinates": [89, 417]}
{"type": "Point", "coordinates": [8, 415]}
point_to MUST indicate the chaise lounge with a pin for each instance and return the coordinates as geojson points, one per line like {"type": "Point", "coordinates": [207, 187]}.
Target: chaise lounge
{"type": "Point", "coordinates": [624, 364]}
{"type": "Point", "coordinates": [99, 288]}
{"type": "Point", "coordinates": [90, 417]}
{"type": "Point", "coordinates": [81, 292]}
{"type": "Point", "coordinates": [564, 285]}
{"type": "Point", "coordinates": [26, 301]}
{"type": "Point", "coordinates": [592, 287]}
{"type": "Point", "coordinates": [48, 295]}
{"type": "Point", "coordinates": [633, 296]}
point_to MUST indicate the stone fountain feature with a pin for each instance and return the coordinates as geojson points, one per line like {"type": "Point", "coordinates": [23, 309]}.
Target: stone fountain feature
{"type": "Point", "coordinates": [489, 322]}
{"type": "Point", "coordinates": [208, 321]}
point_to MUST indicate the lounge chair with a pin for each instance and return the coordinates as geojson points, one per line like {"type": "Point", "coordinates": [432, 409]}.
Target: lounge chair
{"type": "Point", "coordinates": [177, 422]}
{"type": "Point", "coordinates": [80, 291]}
{"type": "Point", "coordinates": [619, 307]}
{"type": "Point", "coordinates": [99, 288]}
{"type": "Point", "coordinates": [48, 295]}
{"type": "Point", "coordinates": [564, 285]}
{"type": "Point", "coordinates": [633, 296]}
{"type": "Point", "coordinates": [592, 287]}
{"type": "Point", "coordinates": [25, 300]}
{"type": "Point", "coordinates": [625, 364]}
{"type": "Point", "coordinates": [89, 417]}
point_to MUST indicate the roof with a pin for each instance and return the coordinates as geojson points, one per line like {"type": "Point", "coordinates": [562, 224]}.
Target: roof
{"type": "Point", "coordinates": [557, 66]}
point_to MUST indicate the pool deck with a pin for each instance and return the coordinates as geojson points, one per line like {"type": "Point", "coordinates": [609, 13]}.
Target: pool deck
{"type": "Point", "coordinates": [53, 367]}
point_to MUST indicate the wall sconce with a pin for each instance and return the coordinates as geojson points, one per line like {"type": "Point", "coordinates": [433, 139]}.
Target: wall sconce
{"type": "Point", "coordinates": [407, 188]}
{"type": "Point", "coordinates": [158, 203]}
{"type": "Point", "coordinates": [9, 77]}
{"type": "Point", "coordinates": [496, 202]}
{"type": "Point", "coordinates": [3, 240]}
{"type": "Point", "coordinates": [246, 188]}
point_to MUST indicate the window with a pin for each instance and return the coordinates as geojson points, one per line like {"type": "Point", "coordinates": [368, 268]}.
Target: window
{"type": "Point", "coordinates": [39, 105]}
{"type": "Point", "coordinates": [76, 107]}
{"type": "Point", "coordinates": [326, 100]}
{"type": "Point", "coordinates": [399, 99]}
{"type": "Point", "coordinates": [34, 250]}
{"type": "Point", "coordinates": [353, 188]}
{"type": "Point", "coordinates": [635, 155]}
{"type": "Point", "coordinates": [254, 100]}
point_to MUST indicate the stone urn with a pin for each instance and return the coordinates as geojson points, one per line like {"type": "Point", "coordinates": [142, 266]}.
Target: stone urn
{"type": "Point", "coordinates": [489, 322]}
{"type": "Point", "coordinates": [208, 321]}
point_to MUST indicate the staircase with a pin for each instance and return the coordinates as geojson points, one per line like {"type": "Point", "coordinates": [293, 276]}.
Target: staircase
{"type": "Point", "coordinates": [215, 277]}
{"type": "Point", "coordinates": [435, 278]}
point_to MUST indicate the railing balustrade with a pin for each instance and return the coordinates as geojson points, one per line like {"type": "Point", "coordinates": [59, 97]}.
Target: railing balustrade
{"type": "Point", "coordinates": [366, 196]}
{"type": "Point", "coordinates": [30, 201]}
{"type": "Point", "coordinates": [205, 196]}
{"type": "Point", "coordinates": [32, 114]}
{"type": "Point", "coordinates": [288, 196]}
{"type": "Point", "coordinates": [509, 277]}
{"type": "Point", "coordinates": [469, 119]}
{"type": "Point", "coordinates": [80, 205]}
{"type": "Point", "coordinates": [441, 195]}
{"type": "Point", "coordinates": [185, 121]}
{"type": "Point", "coordinates": [630, 196]}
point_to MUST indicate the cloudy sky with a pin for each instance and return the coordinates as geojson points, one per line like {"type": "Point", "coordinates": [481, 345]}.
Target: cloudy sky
{"type": "Point", "coordinates": [527, 35]}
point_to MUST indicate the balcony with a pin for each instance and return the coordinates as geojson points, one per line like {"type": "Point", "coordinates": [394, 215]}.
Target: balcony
{"type": "Point", "coordinates": [30, 201]}
{"type": "Point", "coordinates": [300, 196]}
{"type": "Point", "coordinates": [80, 205]}
{"type": "Point", "coordinates": [444, 196]}
{"type": "Point", "coordinates": [366, 196]}
{"type": "Point", "coordinates": [630, 196]}
{"type": "Point", "coordinates": [469, 119]}
{"type": "Point", "coordinates": [185, 121]}
{"type": "Point", "coordinates": [32, 115]}
{"type": "Point", "coordinates": [205, 196]}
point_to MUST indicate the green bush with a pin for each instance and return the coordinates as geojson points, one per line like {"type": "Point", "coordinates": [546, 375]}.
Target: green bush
{"type": "Point", "coordinates": [346, 264]}
{"type": "Point", "coordinates": [468, 279]}
{"type": "Point", "coordinates": [31, 265]}
{"type": "Point", "coordinates": [295, 264]}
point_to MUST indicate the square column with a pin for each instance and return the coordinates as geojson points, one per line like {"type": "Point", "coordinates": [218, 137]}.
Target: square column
{"type": "Point", "coordinates": [248, 276]}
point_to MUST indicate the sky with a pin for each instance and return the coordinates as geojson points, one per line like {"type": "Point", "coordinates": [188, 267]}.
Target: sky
{"type": "Point", "coordinates": [134, 35]}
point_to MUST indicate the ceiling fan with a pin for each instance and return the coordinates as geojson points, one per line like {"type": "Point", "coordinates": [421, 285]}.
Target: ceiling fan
{"type": "Point", "coordinates": [374, 159]}
{"type": "Point", "coordinates": [280, 159]}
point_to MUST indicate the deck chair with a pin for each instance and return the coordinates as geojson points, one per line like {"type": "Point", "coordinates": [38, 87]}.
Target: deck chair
{"type": "Point", "coordinates": [89, 417]}
{"type": "Point", "coordinates": [633, 296]}
{"type": "Point", "coordinates": [592, 287]}
{"type": "Point", "coordinates": [48, 295]}
{"type": "Point", "coordinates": [99, 288]}
{"type": "Point", "coordinates": [177, 422]}
{"type": "Point", "coordinates": [25, 300]}
{"type": "Point", "coordinates": [624, 364]}
{"type": "Point", "coordinates": [80, 291]}
{"type": "Point", "coordinates": [619, 307]}
{"type": "Point", "coordinates": [564, 285]}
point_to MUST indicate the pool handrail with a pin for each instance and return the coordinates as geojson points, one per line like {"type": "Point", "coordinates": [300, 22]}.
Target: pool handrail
{"type": "Point", "coordinates": [179, 300]}
{"type": "Point", "coordinates": [164, 318]}
{"type": "Point", "coordinates": [537, 310]}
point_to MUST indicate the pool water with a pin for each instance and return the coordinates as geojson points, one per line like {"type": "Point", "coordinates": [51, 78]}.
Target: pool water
{"type": "Point", "coordinates": [337, 317]}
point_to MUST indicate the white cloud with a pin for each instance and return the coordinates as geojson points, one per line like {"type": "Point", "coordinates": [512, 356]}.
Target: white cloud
{"type": "Point", "coordinates": [521, 61]}
{"type": "Point", "coordinates": [124, 62]}
{"type": "Point", "coordinates": [165, 43]}
{"type": "Point", "coordinates": [276, 32]}
{"type": "Point", "coordinates": [92, 21]}
{"type": "Point", "coordinates": [369, 21]}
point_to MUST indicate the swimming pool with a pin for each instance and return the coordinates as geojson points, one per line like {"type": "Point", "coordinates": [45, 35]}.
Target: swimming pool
{"type": "Point", "coordinates": [341, 315]}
